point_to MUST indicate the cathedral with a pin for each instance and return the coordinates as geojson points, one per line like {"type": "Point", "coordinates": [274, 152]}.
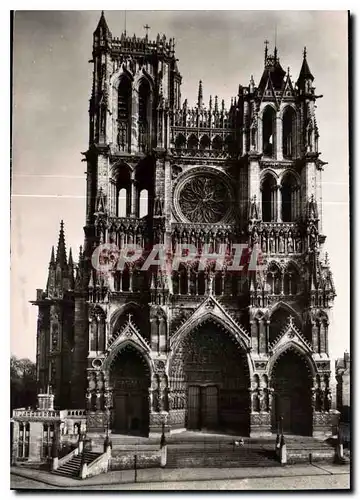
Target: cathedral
{"type": "Point", "coordinates": [141, 350]}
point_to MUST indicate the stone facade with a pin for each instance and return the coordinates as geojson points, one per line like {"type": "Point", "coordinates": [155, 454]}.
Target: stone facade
{"type": "Point", "coordinates": [192, 347]}
{"type": "Point", "coordinates": [343, 370]}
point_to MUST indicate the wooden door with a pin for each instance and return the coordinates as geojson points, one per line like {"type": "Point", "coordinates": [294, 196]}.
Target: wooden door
{"type": "Point", "coordinates": [120, 420]}
{"type": "Point", "coordinates": [193, 407]}
{"type": "Point", "coordinates": [209, 407]}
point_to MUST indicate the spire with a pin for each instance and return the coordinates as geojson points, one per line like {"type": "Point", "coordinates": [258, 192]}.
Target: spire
{"type": "Point", "coordinates": [200, 95]}
{"type": "Point", "coordinates": [71, 271]}
{"type": "Point", "coordinates": [102, 27]}
{"type": "Point", "coordinates": [272, 70]}
{"type": "Point", "coordinates": [71, 262]}
{"type": "Point", "coordinates": [52, 258]}
{"type": "Point", "coordinates": [61, 248]}
{"type": "Point", "coordinates": [216, 103]}
{"type": "Point", "coordinates": [305, 73]}
{"type": "Point", "coordinates": [266, 50]}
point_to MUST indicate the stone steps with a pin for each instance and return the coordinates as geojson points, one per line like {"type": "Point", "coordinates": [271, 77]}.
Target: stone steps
{"type": "Point", "coordinates": [72, 467]}
{"type": "Point", "coordinates": [178, 458]}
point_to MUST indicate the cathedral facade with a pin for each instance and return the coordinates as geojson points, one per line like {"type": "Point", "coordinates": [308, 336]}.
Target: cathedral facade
{"type": "Point", "coordinates": [143, 348]}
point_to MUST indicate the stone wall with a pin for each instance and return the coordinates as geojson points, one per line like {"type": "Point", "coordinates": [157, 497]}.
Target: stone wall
{"type": "Point", "coordinates": [126, 460]}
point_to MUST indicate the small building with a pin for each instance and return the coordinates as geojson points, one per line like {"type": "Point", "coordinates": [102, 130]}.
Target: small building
{"type": "Point", "coordinates": [34, 431]}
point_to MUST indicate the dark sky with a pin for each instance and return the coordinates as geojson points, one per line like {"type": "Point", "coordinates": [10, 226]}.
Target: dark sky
{"type": "Point", "coordinates": [52, 82]}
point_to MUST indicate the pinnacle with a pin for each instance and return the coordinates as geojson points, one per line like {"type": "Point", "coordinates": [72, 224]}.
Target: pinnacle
{"type": "Point", "coordinates": [61, 248]}
{"type": "Point", "coordinates": [71, 262]}
{"type": "Point", "coordinates": [52, 258]}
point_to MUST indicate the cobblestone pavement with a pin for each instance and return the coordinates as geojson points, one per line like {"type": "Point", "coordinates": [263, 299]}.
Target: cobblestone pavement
{"type": "Point", "coordinates": [316, 477]}
{"type": "Point", "coordinates": [339, 481]}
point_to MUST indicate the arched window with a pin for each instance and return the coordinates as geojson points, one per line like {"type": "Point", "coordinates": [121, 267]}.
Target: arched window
{"type": "Point", "coordinates": [201, 283]}
{"type": "Point", "coordinates": [218, 284]}
{"type": "Point", "coordinates": [217, 143]}
{"type": "Point", "coordinates": [97, 331]}
{"type": "Point", "coordinates": [124, 113]}
{"type": "Point", "coordinates": [121, 191]}
{"type": "Point", "coordinates": [269, 131]}
{"type": "Point", "coordinates": [205, 142]}
{"type": "Point", "coordinates": [192, 142]}
{"type": "Point", "coordinates": [122, 202]}
{"type": "Point", "coordinates": [143, 203]}
{"type": "Point", "coordinates": [269, 198]}
{"type": "Point", "coordinates": [183, 282]}
{"type": "Point", "coordinates": [278, 321]}
{"type": "Point", "coordinates": [291, 280]}
{"type": "Point", "coordinates": [273, 279]}
{"type": "Point", "coordinates": [144, 114]}
{"type": "Point", "coordinates": [125, 279]}
{"type": "Point", "coordinates": [180, 141]}
{"type": "Point", "coordinates": [289, 190]}
{"type": "Point", "coordinates": [93, 335]}
{"type": "Point", "coordinates": [289, 133]}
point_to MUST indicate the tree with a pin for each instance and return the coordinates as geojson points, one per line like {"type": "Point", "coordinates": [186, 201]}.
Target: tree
{"type": "Point", "coordinates": [22, 383]}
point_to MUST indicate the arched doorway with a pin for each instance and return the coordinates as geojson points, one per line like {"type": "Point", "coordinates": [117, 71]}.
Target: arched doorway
{"type": "Point", "coordinates": [292, 382]}
{"type": "Point", "coordinates": [210, 369]}
{"type": "Point", "coordinates": [130, 380]}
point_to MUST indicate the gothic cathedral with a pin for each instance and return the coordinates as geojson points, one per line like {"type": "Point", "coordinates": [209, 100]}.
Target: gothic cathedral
{"type": "Point", "coordinates": [195, 347]}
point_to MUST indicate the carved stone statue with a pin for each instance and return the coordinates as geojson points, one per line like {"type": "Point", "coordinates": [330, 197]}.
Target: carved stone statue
{"type": "Point", "coordinates": [281, 243]}
{"type": "Point", "coordinates": [272, 243]}
{"type": "Point", "coordinates": [290, 244]}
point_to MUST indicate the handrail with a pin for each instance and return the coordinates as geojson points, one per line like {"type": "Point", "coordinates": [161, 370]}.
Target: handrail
{"type": "Point", "coordinates": [92, 465]}
{"type": "Point", "coordinates": [68, 457]}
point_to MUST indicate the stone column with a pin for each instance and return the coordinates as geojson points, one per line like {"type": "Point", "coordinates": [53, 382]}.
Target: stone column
{"type": "Point", "coordinates": [254, 336]}
{"type": "Point", "coordinates": [154, 334]}
{"type": "Point", "coordinates": [134, 120]}
{"type": "Point", "coordinates": [279, 131]}
{"type": "Point", "coordinates": [315, 336]}
{"type": "Point", "coordinates": [133, 199]}
{"type": "Point", "coordinates": [278, 214]}
{"type": "Point", "coordinates": [262, 337]}
{"type": "Point", "coordinates": [35, 440]}
{"type": "Point", "coordinates": [162, 335]}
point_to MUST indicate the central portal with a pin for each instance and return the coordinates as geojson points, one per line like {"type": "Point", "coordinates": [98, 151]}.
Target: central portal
{"type": "Point", "coordinates": [209, 372]}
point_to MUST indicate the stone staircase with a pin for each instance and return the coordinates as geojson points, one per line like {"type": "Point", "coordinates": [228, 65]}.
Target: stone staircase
{"type": "Point", "coordinates": [72, 467]}
{"type": "Point", "coordinates": [220, 458]}
{"type": "Point", "coordinates": [198, 449]}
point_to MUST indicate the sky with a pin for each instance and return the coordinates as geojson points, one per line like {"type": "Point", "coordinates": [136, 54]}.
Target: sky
{"type": "Point", "coordinates": [51, 90]}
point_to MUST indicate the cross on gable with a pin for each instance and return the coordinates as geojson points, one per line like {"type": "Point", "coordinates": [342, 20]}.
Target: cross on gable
{"type": "Point", "coordinates": [146, 28]}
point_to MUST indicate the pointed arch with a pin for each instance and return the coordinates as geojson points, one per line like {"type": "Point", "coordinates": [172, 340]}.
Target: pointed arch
{"type": "Point", "coordinates": [292, 279]}
{"type": "Point", "coordinates": [279, 319]}
{"type": "Point", "coordinates": [288, 117]}
{"type": "Point", "coordinates": [284, 305]}
{"type": "Point", "coordinates": [204, 142]}
{"type": "Point", "coordinates": [121, 316]}
{"type": "Point", "coordinates": [273, 278]}
{"type": "Point", "coordinates": [217, 143]}
{"type": "Point", "coordinates": [269, 131]}
{"type": "Point", "coordinates": [289, 196]}
{"type": "Point", "coordinates": [269, 194]}
{"type": "Point", "coordinates": [292, 371]}
{"type": "Point", "coordinates": [298, 350]}
{"type": "Point", "coordinates": [180, 141]}
{"type": "Point", "coordinates": [97, 327]}
{"type": "Point", "coordinates": [192, 142]}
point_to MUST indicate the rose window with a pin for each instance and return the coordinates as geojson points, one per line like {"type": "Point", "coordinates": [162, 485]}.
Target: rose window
{"type": "Point", "coordinates": [204, 199]}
